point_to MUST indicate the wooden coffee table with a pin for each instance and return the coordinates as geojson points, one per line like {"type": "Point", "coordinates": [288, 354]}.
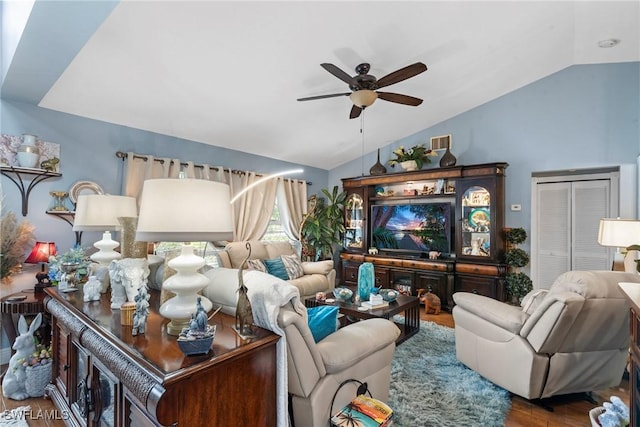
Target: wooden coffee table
{"type": "Point", "coordinates": [407, 305]}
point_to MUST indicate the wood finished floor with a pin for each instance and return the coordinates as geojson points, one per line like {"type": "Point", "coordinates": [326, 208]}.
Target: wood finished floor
{"type": "Point", "coordinates": [567, 412]}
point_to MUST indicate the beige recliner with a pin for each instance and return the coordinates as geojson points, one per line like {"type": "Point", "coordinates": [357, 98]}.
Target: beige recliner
{"type": "Point", "coordinates": [360, 351]}
{"type": "Point", "coordinates": [572, 338]}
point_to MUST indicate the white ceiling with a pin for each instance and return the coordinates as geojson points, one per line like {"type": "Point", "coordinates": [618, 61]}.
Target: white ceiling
{"type": "Point", "coordinates": [229, 73]}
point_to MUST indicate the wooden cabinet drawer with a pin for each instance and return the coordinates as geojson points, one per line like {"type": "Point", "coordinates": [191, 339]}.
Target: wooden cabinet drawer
{"type": "Point", "coordinates": [484, 270]}
{"type": "Point", "coordinates": [392, 262]}
{"type": "Point", "coordinates": [424, 265]}
{"type": "Point", "coordinates": [382, 277]}
{"type": "Point", "coordinates": [352, 257]}
{"type": "Point", "coordinates": [476, 285]}
{"type": "Point", "coordinates": [350, 273]}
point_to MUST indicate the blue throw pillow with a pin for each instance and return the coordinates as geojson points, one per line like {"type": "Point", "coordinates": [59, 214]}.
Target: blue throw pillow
{"type": "Point", "coordinates": [323, 321]}
{"type": "Point", "coordinates": [276, 267]}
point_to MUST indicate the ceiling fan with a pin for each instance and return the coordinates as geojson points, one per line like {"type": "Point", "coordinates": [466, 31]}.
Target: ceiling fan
{"type": "Point", "coordinates": [364, 87]}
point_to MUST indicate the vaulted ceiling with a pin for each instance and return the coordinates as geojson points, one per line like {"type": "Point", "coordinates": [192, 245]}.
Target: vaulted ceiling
{"type": "Point", "coordinates": [229, 73]}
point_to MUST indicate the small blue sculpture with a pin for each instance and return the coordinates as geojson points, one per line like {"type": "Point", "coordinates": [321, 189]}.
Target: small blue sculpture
{"type": "Point", "coordinates": [142, 311]}
{"type": "Point", "coordinates": [366, 280]}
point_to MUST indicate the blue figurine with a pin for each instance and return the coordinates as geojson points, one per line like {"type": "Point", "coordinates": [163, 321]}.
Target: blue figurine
{"type": "Point", "coordinates": [201, 316]}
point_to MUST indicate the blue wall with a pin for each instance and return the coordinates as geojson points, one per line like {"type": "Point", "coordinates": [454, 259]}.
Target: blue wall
{"type": "Point", "coordinates": [584, 116]}
{"type": "Point", "coordinates": [581, 117]}
{"type": "Point", "coordinates": [87, 153]}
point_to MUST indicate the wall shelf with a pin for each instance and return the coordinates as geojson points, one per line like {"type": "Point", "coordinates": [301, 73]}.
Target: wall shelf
{"type": "Point", "coordinates": [68, 217]}
{"type": "Point", "coordinates": [38, 175]}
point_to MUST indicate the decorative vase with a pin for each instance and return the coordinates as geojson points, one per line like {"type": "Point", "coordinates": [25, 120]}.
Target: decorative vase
{"type": "Point", "coordinates": [378, 168]}
{"type": "Point", "coordinates": [366, 280]}
{"type": "Point", "coordinates": [448, 159]}
{"type": "Point", "coordinates": [129, 246]}
{"type": "Point", "coordinates": [409, 165]}
{"type": "Point", "coordinates": [28, 154]}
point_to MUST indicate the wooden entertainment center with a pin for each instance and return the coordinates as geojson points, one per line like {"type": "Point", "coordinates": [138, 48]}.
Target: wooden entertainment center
{"type": "Point", "coordinates": [103, 375]}
{"type": "Point", "coordinates": [475, 262]}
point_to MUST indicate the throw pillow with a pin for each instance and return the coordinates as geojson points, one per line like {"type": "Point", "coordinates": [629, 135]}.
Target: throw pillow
{"type": "Point", "coordinates": [293, 266]}
{"type": "Point", "coordinates": [275, 267]}
{"type": "Point", "coordinates": [323, 321]}
{"type": "Point", "coordinates": [256, 264]}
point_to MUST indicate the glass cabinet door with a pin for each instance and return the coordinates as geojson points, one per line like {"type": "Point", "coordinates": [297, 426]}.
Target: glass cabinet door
{"type": "Point", "coordinates": [104, 393]}
{"type": "Point", "coordinates": [476, 222]}
{"type": "Point", "coordinates": [354, 223]}
{"type": "Point", "coordinates": [81, 400]}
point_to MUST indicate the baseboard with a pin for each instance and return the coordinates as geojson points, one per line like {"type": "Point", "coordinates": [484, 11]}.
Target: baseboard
{"type": "Point", "coordinates": [5, 355]}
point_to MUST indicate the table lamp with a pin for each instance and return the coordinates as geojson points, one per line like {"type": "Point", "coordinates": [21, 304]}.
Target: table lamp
{"type": "Point", "coordinates": [184, 210]}
{"type": "Point", "coordinates": [100, 212]}
{"type": "Point", "coordinates": [40, 255]}
{"type": "Point", "coordinates": [622, 233]}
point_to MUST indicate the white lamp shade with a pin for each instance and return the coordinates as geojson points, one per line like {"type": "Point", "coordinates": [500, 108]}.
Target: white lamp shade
{"type": "Point", "coordinates": [620, 233]}
{"type": "Point", "coordinates": [363, 98]}
{"type": "Point", "coordinates": [184, 210]}
{"type": "Point", "coordinates": [100, 212]}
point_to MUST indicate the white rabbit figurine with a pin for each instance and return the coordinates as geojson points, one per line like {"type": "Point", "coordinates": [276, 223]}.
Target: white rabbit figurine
{"type": "Point", "coordinates": [15, 377]}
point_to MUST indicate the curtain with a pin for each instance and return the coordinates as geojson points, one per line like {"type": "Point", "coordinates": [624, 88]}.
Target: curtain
{"type": "Point", "coordinates": [252, 210]}
{"type": "Point", "coordinates": [292, 202]}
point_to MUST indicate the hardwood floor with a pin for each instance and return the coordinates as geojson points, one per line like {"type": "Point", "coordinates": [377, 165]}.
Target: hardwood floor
{"type": "Point", "coordinates": [567, 412]}
{"type": "Point", "coordinates": [571, 411]}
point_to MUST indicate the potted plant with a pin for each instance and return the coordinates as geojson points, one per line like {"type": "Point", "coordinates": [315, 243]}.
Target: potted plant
{"type": "Point", "coordinates": [518, 283]}
{"type": "Point", "coordinates": [323, 226]}
{"type": "Point", "coordinates": [413, 158]}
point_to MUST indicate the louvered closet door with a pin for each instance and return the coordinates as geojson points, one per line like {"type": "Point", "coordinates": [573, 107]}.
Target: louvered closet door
{"type": "Point", "coordinates": [567, 221]}
{"type": "Point", "coordinates": [553, 219]}
{"type": "Point", "coordinates": [591, 202]}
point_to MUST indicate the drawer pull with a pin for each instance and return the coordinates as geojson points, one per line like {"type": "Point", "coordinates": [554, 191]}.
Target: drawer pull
{"type": "Point", "coordinates": [65, 367]}
{"type": "Point", "coordinates": [475, 291]}
{"type": "Point", "coordinates": [353, 276]}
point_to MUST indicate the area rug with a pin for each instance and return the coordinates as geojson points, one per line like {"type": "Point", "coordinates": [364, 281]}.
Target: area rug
{"type": "Point", "coordinates": [14, 417]}
{"type": "Point", "coordinates": [430, 388]}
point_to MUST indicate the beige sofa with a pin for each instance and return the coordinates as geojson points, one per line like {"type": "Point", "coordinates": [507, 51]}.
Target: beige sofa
{"type": "Point", "coordinates": [318, 276]}
{"type": "Point", "coordinates": [571, 338]}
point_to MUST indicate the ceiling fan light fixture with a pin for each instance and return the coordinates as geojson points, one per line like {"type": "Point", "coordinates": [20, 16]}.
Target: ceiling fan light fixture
{"type": "Point", "coordinates": [363, 98]}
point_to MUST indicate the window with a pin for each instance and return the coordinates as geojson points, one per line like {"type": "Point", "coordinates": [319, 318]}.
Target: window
{"type": "Point", "coordinates": [275, 231]}
{"type": "Point", "coordinates": [206, 249]}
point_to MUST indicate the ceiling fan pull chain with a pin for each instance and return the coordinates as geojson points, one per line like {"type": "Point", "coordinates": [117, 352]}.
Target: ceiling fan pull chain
{"type": "Point", "coordinates": [362, 135]}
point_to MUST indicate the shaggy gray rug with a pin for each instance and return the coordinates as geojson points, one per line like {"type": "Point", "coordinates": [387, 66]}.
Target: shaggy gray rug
{"type": "Point", "coordinates": [430, 388]}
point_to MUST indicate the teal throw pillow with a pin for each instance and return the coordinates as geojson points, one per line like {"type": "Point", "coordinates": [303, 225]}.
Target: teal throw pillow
{"type": "Point", "coordinates": [275, 267]}
{"type": "Point", "coordinates": [323, 321]}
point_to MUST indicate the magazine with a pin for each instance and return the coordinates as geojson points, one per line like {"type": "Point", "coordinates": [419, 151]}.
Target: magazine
{"type": "Point", "coordinates": [364, 411]}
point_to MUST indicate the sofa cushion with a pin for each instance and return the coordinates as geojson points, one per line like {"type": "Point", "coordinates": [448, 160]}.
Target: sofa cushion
{"type": "Point", "coordinates": [317, 267]}
{"type": "Point", "coordinates": [322, 320]}
{"type": "Point", "coordinates": [293, 266]}
{"type": "Point", "coordinates": [237, 252]}
{"type": "Point", "coordinates": [256, 264]}
{"type": "Point", "coordinates": [276, 267]}
{"type": "Point", "coordinates": [275, 249]}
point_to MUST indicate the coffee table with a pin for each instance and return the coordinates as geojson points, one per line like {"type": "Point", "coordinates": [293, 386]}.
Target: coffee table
{"type": "Point", "coordinates": [409, 306]}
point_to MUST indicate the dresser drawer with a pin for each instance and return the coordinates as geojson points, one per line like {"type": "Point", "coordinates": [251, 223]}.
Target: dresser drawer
{"type": "Point", "coordinates": [484, 270]}
{"type": "Point", "coordinates": [476, 285]}
{"type": "Point", "coordinates": [392, 262]}
{"type": "Point", "coordinates": [350, 273]}
{"type": "Point", "coordinates": [424, 265]}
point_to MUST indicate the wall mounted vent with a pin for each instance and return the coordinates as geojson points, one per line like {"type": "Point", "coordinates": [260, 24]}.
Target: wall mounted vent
{"type": "Point", "coordinates": [441, 142]}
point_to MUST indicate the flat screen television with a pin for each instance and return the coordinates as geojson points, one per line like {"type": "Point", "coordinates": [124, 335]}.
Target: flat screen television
{"type": "Point", "coordinates": [412, 228]}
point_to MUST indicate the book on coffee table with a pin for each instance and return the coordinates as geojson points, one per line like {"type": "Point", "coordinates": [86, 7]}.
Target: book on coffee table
{"type": "Point", "coordinates": [372, 305]}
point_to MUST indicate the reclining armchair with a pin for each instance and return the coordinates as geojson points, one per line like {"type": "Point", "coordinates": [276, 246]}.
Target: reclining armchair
{"type": "Point", "coordinates": [361, 351]}
{"type": "Point", "coordinates": [571, 338]}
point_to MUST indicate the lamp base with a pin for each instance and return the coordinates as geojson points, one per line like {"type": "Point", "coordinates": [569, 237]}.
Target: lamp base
{"type": "Point", "coordinates": [176, 326]}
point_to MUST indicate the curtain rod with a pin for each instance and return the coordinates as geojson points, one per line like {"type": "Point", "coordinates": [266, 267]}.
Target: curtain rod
{"type": "Point", "coordinates": [122, 155]}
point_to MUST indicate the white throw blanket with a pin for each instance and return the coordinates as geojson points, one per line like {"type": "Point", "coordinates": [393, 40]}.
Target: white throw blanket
{"type": "Point", "coordinates": [267, 294]}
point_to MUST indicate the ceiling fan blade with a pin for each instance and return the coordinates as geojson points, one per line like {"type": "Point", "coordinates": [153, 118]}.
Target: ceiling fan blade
{"type": "Point", "coordinates": [333, 95]}
{"type": "Point", "coordinates": [402, 74]}
{"type": "Point", "coordinates": [399, 98]}
{"type": "Point", "coordinates": [339, 74]}
{"type": "Point", "coordinates": [355, 112]}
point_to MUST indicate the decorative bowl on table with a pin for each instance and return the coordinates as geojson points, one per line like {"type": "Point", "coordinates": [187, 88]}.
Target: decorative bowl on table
{"type": "Point", "coordinates": [343, 294]}
{"type": "Point", "coordinates": [389, 295]}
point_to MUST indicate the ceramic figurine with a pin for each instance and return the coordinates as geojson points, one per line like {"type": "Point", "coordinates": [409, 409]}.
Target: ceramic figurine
{"type": "Point", "coordinates": [198, 337]}
{"type": "Point", "coordinates": [142, 311]}
{"type": "Point", "coordinates": [13, 383]}
{"type": "Point", "coordinates": [92, 289]}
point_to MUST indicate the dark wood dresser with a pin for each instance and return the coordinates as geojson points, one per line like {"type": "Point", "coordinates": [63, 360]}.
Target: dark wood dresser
{"type": "Point", "coordinates": [632, 292]}
{"type": "Point", "coordinates": [103, 375]}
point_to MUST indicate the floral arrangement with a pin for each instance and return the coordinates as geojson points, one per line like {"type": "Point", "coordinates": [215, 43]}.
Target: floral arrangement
{"type": "Point", "coordinates": [419, 153]}
{"type": "Point", "coordinates": [17, 238]}
{"type": "Point", "coordinates": [75, 255]}
{"type": "Point", "coordinates": [41, 356]}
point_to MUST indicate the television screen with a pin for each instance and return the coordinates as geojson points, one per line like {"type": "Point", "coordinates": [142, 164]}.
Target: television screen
{"type": "Point", "coordinates": [419, 227]}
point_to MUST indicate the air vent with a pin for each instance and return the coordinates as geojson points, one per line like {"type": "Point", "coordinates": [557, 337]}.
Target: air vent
{"type": "Point", "coordinates": [441, 142]}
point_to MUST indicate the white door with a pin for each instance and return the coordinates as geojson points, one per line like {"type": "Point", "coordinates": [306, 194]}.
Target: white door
{"type": "Point", "coordinates": [566, 214]}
